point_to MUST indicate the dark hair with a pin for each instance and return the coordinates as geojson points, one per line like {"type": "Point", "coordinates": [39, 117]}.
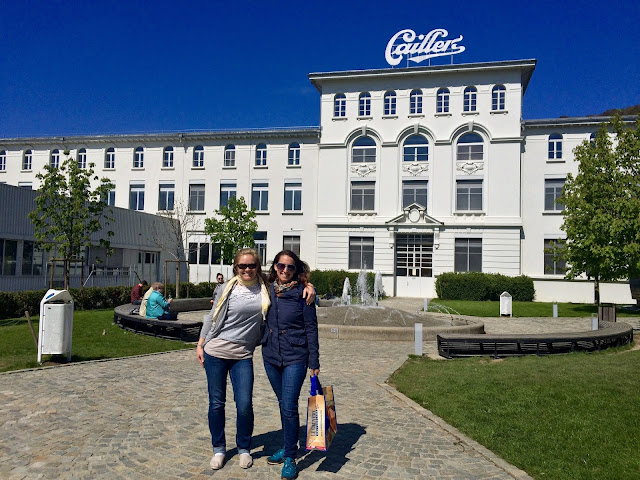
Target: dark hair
{"type": "Point", "coordinates": [256, 259]}
{"type": "Point", "coordinates": [302, 269]}
{"type": "Point", "coordinates": [144, 283]}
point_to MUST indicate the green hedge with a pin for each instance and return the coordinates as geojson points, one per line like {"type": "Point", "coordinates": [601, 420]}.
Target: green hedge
{"type": "Point", "coordinates": [14, 304]}
{"type": "Point", "coordinates": [483, 286]}
{"type": "Point", "coordinates": [332, 281]}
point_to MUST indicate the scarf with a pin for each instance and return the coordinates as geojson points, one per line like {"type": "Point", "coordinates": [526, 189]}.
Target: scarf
{"type": "Point", "coordinates": [224, 298]}
{"type": "Point", "coordinates": [280, 289]}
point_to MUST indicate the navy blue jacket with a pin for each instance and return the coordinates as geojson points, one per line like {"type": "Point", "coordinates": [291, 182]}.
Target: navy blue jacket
{"type": "Point", "coordinates": [291, 333]}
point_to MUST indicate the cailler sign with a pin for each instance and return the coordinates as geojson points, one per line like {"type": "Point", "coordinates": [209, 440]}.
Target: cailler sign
{"type": "Point", "coordinates": [420, 47]}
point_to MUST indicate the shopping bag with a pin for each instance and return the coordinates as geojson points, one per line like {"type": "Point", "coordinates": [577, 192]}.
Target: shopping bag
{"type": "Point", "coordinates": [322, 423]}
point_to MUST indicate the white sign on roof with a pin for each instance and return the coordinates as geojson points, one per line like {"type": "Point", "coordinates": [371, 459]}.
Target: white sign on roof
{"type": "Point", "coordinates": [420, 47]}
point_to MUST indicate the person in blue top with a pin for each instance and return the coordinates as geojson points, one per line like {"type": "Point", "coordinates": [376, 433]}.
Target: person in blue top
{"type": "Point", "coordinates": [289, 348]}
{"type": "Point", "coordinates": [158, 306]}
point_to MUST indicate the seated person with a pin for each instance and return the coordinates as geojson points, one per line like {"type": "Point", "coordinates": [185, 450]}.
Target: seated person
{"type": "Point", "coordinates": [136, 292]}
{"type": "Point", "coordinates": [158, 306]}
{"type": "Point", "coordinates": [143, 305]}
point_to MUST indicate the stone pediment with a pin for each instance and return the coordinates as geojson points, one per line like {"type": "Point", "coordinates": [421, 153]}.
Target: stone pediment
{"type": "Point", "coordinates": [414, 215]}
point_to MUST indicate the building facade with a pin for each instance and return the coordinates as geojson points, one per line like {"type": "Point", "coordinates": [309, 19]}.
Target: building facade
{"type": "Point", "coordinates": [412, 172]}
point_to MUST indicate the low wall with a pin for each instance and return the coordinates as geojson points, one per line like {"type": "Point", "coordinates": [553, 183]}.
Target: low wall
{"type": "Point", "coordinates": [581, 292]}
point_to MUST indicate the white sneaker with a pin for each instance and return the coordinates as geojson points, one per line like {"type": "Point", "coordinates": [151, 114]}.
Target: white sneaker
{"type": "Point", "coordinates": [217, 461]}
{"type": "Point", "coordinates": [245, 460]}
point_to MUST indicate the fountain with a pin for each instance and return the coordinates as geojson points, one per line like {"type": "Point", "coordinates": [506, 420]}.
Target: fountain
{"type": "Point", "coordinates": [377, 286]}
{"type": "Point", "coordinates": [361, 285]}
{"type": "Point", "coordinates": [346, 292]}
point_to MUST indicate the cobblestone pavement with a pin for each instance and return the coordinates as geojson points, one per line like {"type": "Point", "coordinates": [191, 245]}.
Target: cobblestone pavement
{"type": "Point", "coordinates": [145, 417]}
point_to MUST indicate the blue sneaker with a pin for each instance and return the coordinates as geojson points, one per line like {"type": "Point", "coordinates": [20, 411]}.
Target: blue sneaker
{"type": "Point", "coordinates": [289, 470]}
{"type": "Point", "coordinates": [277, 458]}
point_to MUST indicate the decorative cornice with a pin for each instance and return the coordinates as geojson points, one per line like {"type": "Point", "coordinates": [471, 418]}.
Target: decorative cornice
{"type": "Point", "coordinates": [469, 167]}
{"type": "Point", "coordinates": [363, 169]}
{"type": "Point", "coordinates": [416, 168]}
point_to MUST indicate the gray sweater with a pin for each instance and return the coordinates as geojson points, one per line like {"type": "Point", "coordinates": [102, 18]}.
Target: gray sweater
{"type": "Point", "coordinates": [241, 320]}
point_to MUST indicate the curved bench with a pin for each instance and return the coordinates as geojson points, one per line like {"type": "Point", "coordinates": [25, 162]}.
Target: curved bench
{"type": "Point", "coordinates": [180, 329]}
{"type": "Point", "coordinates": [608, 335]}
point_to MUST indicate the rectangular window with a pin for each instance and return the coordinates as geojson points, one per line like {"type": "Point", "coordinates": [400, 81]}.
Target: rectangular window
{"type": "Point", "coordinates": [110, 159]}
{"type": "Point", "coordinates": [361, 253]}
{"type": "Point", "coordinates": [468, 195]}
{"type": "Point", "coordinates": [230, 157]}
{"type": "Point", "coordinates": [340, 106]}
{"type": "Point", "coordinates": [216, 254]}
{"type": "Point", "coordinates": [553, 191]}
{"type": "Point", "coordinates": [32, 258]}
{"type": "Point", "coordinates": [28, 185]}
{"type": "Point", "coordinates": [291, 242]}
{"type": "Point", "coordinates": [227, 190]}
{"type": "Point", "coordinates": [260, 244]}
{"type": "Point", "coordinates": [166, 196]}
{"type": "Point", "coordinates": [414, 255]}
{"type": "Point", "coordinates": [136, 197]}
{"type": "Point", "coordinates": [193, 253]}
{"type": "Point", "coordinates": [8, 257]}
{"type": "Point", "coordinates": [260, 197]}
{"type": "Point", "coordinates": [414, 191]}
{"type": "Point", "coordinates": [468, 255]}
{"type": "Point", "coordinates": [292, 197]}
{"type": "Point", "coordinates": [167, 160]}
{"type": "Point", "coordinates": [203, 251]}
{"type": "Point", "coordinates": [554, 264]}
{"type": "Point", "coordinates": [196, 198]}
{"type": "Point", "coordinates": [3, 161]}
{"type": "Point", "coordinates": [27, 161]}
{"type": "Point", "coordinates": [111, 198]}
{"type": "Point", "coordinates": [363, 196]}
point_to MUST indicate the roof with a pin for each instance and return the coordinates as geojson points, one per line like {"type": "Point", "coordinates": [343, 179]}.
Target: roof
{"type": "Point", "coordinates": [592, 120]}
{"type": "Point", "coordinates": [527, 67]}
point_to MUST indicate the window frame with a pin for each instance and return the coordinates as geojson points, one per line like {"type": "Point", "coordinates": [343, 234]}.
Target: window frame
{"type": "Point", "coordinates": [442, 100]}
{"type": "Point", "coordinates": [415, 152]}
{"type": "Point", "coordinates": [415, 102]}
{"type": "Point", "coordinates": [365, 152]}
{"type": "Point", "coordinates": [553, 264]}
{"type": "Point", "coordinates": [27, 160]}
{"type": "Point", "coordinates": [110, 158]}
{"type": "Point", "coordinates": [390, 103]}
{"type": "Point", "coordinates": [364, 104]}
{"type": "Point", "coordinates": [498, 98]}
{"type": "Point", "coordinates": [82, 159]}
{"type": "Point", "coordinates": [361, 248]}
{"type": "Point", "coordinates": [467, 148]}
{"type": "Point", "coordinates": [3, 160]}
{"type": "Point", "coordinates": [293, 154]}
{"type": "Point", "coordinates": [553, 188]}
{"type": "Point", "coordinates": [470, 99]}
{"type": "Point", "coordinates": [291, 242]}
{"type": "Point", "coordinates": [136, 189]}
{"type": "Point", "coordinates": [462, 246]}
{"type": "Point", "coordinates": [138, 157]}
{"type": "Point", "coordinates": [167, 157]}
{"type": "Point", "coordinates": [362, 195]}
{"type": "Point", "coordinates": [261, 155]}
{"type": "Point", "coordinates": [464, 191]}
{"type": "Point", "coordinates": [260, 196]}
{"type": "Point", "coordinates": [228, 189]}
{"type": "Point", "coordinates": [339, 105]}
{"type": "Point", "coordinates": [229, 156]}
{"type": "Point", "coordinates": [198, 157]}
{"type": "Point", "coordinates": [292, 196]}
{"type": "Point", "coordinates": [54, 159]}
{"type": "Point", "coordinates": [415, 185]}
{"type": "Point", "coordinates": [554, 151]}
{"type": "Point", "coordinates": [168, 191]}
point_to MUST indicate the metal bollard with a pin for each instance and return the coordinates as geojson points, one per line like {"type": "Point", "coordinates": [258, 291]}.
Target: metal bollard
{"type": "Point", "coordinates": [418, 339]}
{"type": "Point", "coordinates": [426, 304]}
{"type": "Point", "coordinates": [555, 310]}
{"type": "Point", "coordinates": [594, 321]}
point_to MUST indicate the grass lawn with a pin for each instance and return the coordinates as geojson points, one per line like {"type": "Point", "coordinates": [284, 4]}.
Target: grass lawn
{"type": "Point", "coordinates": [557, 417]}
{"type": "Point", "coordinates": [94, 337]}
{"type": "Point", "coordinates": [525, 309]}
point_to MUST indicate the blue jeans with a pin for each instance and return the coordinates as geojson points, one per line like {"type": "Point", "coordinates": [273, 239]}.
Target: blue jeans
{"type": "Point", "coordinates": [287, 383]}
{"type": "Point", "coordinates": [241, 373]}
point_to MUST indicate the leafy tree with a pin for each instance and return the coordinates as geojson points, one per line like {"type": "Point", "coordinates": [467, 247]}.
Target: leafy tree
{"type": "Point", "coordinates": [234, 229]}
{"type": "Point", "coordinates": [602, 214]}
{"type": "Point", "coordinates": [68, 212]}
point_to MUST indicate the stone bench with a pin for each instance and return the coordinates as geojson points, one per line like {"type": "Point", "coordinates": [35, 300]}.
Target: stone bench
{"type": "Point", "coordinates": [608, 335]}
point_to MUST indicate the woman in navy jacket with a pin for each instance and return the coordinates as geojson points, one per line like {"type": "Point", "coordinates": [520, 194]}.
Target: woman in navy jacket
{"type": "Point", "coordinates": [289, 347]}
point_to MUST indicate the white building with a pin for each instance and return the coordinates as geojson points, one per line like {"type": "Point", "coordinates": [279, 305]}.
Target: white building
{"type": "Point", "coordinates": [413, 172]}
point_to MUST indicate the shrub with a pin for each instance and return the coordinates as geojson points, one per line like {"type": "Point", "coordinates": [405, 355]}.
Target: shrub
{"type": "Point", "coordinates": [332, 281]}
{"type": "Point", "coordinates": [483, 286]}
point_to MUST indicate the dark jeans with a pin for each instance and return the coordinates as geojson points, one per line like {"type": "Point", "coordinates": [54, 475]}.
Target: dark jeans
{"type": "Point", "coordinates": [287, 383]}
{"type": "Point", "coordinates": [168, 316]}
{"type": "Point", "coordinates": [241, 373]}
{"type": "Point", "coordinates": [136, 302]}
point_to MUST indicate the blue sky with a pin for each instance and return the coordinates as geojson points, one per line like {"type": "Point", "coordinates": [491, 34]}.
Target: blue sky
{"type": "Point", "coordinates": [76, 67]}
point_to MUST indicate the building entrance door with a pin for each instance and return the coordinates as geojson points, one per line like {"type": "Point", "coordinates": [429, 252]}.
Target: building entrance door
{"type": "Point", "coordinates": [414, 265]}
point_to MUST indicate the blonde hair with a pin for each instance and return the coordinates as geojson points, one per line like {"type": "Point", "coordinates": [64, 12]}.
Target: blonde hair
{"type": "Point", "coordinates": [247, 251]}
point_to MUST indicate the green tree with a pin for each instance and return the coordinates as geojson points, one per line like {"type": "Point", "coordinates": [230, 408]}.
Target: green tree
{"type": "Point", "coordinates": [68, 211]}
{"type": "Point", "coordinates": [602, 213]}
{"type": "Point", "coordinates": [233, 229]}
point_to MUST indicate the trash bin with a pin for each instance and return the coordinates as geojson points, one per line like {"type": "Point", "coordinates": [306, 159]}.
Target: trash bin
{"type": "Point", "coordinates": [505, 304]}
{"type": "Point", "coordinates": [56, 324]}
{"type": "Point", "coordinates": [607, 312]}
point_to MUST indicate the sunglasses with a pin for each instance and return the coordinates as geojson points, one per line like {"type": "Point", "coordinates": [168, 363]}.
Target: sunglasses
{"type": "Point", "coordinates": [244, 266]}
{"type": "Point", "coordinates": [282, 266]}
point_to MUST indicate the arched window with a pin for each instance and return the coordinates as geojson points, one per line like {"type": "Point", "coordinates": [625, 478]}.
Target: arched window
{"type": "Point", "coordinates": [470, 147]}
{"type": "Point", "coordinates": [261, 155]}
{"type": "Point", "coordinates": [110, 158]}
{"type": "Point", "coordinates": [82, 158]}
{"type": "Point", "coordinates": [390, 103]}
{"type": "Point", "coordinates": [498, 95]}
{"type": "Point", "coordinates": [555, 146]}
{"type": "Point", "coordinates": [340, 105]}
{"type": "Point", "coordinates": [364, 105]}
{"type": "Point", "coordinates": [470, 94]}
{"type": "Point", "coordinates": [3, 160]}
{"type": "Point", "coordinates": [230, 156]}
{"type": "Point", "coordinates": [167, 157]}
{"type": "Point", "coordinates": [198, 156]}
{"type": "Point", "coordinates": [27, 160]}
{"type": "Point", "coordinates": [415, 102]}
{"type": "Point", "coordinates": [138, 158]}
{"type": "Point", "coordinates": [442, 101]}
{"type": "Point", "coordinates": [294, 154]}
{"type": "Point", "coordinates": [364, 150]}
{"type": "Point", "coordinates": [416, 149]}
{"type": "Point", "coordinates": [54, 159]}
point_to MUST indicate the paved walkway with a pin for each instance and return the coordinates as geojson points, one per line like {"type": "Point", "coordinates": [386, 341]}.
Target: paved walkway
{"type": "Point", "coordinates": [145, 417]}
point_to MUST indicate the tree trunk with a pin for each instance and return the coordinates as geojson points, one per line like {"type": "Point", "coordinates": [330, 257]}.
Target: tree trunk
{"type": "Point", "coordinates": [178, 279]}
{"type": "Point", "coordinates": [596, 290]}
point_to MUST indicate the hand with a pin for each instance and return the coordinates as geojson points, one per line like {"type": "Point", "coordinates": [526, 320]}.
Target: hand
{"type": "Point", "coordinates": [314, 371]}
{"type": "Point", "coordinates": [200, 355]}
{"type": "Point", "coordinates": [309, 293]}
